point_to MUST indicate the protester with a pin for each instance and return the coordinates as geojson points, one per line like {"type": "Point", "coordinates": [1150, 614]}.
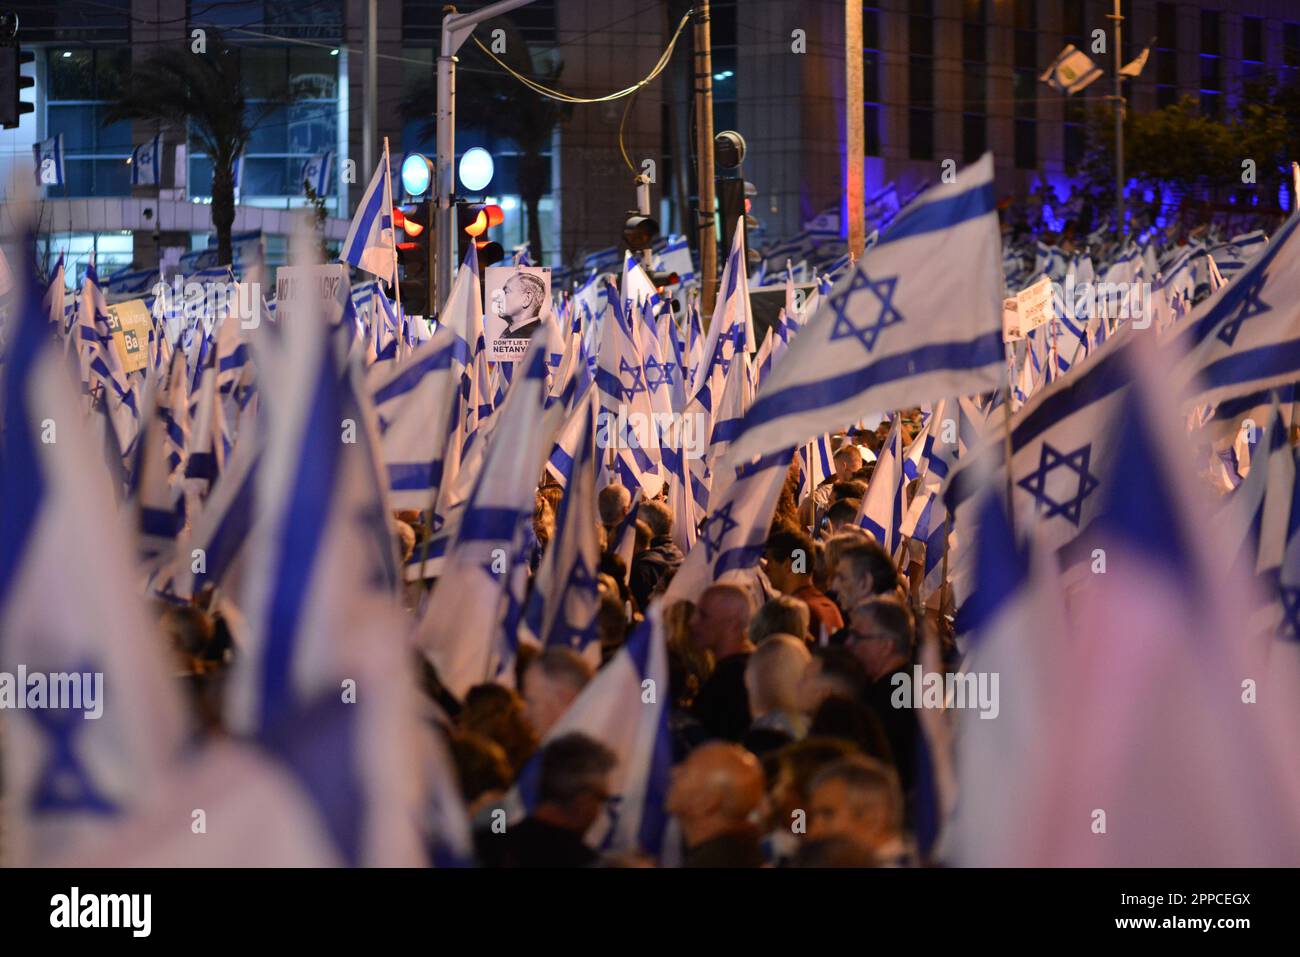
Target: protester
{"type": "Point", "coordinates": [859, 799]}
{"type": "Point", "coordinates": [550, 684]}
{"type": "Point", "coordinates": [654, 564]}
{"type": "Point", "coordinates": [772, 678]}
{"type": "Point", "coordinates": [782, 615]}
{"type": "Point", "coordinates": [790, 559]}
{"type": "Point", "coordinates": [714, 795]}
{"type": "Point", "coordinates": [883, 639]}
{"type": "Point", "coordinates": [572, 794]}
{"type": "Point", "coordinates": [720, 626]}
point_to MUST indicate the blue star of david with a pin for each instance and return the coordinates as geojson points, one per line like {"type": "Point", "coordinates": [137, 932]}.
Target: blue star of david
{"type": "Point", "coordinates": [883, 290]}
{"type": "Point", "coordinates": [146, 157]}
{"type": "Point", "coordinates": [613, 807]}
{"type": "Point", "coordinates": [581, 583]}
{"type": "Point", "coordinates": [636, 373]}
{"type": "Point", "coordinates": [1290, 613]}
{"type": "Point", "coordinates": [65, 785]}
{"type": "Point", "coordinates": [715, 529]}
{"type": "Point", "coordinates": [653, 374]}
{"type": "Point", "coordinates": [1035, 483]}
{"type": "Point", "coordinates": [1251, 305]}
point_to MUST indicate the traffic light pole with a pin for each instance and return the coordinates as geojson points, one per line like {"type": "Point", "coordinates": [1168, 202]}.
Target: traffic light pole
{"type": "Point", "coordinates": [854, 123]}
{"type": "Point", "coordinates": [1118, 19]}
{"type": "Point", "coordinates": [456, 29]}
{"type": "Point", "coordinates": [704, 155]}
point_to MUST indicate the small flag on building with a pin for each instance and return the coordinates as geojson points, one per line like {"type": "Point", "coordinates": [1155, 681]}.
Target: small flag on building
{"type": "Point", "coordinates": [1071, 71]}
{"type": "Point", "coordinates": [49, 161]}
{"type": "Point", "coordinates": [146, 163]}
{"type": "Point", "coordinates": [316, 173]}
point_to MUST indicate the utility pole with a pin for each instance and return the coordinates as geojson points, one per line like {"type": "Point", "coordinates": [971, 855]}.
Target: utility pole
{"type": "Point", "coordinates": [456, 29]}
{"type": "Point", "coordinates": [1119, 120]}
{"type": "Point", "coordinates": [704, 161]}
{"type": "Point", "coordinates": [854, 127]}
{"type": "Point", "coordinates": [370, 104]}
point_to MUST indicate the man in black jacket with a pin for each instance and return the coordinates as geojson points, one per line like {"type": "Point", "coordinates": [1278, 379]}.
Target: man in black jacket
{"type": "Point", "coordinates": [661, 559]}
{"type": "Point", "coordinates": [572, 793]}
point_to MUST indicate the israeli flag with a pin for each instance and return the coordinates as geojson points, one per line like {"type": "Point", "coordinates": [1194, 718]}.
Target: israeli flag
{"type": "Point", "coordinates": [564, 602]}
{"type": "Point", "coordinates": [1253, 522]}
{"type": "Point", "coordinates": [316, 173]}
{"type": "Point", "coordinates": [212, 551]}
{"type": "Point", "coordinates": [616, 709]}
{"type": "Point", "coordinates": [92, 742]}
{"type": "Point", "coordinates": [369, 244]}
{"type": "Point", "coordinates": [883, 507]}
{"type": "Point", "coordinates": [158, 497]}
{"type": "Point", "coordinates": [1062, 453]}
{"type": "Point", "coordinates": [676, 257]}
{"type": "Point", "coordinates": [1246, 336]}
{"type": "Point", "coordinates": [128, 283]}
{"type": "Point", "coordinates": [1288, 590]}
{"type": "Point", "coordinates": [414, 400]}
{"type": "Point", "coordinates": [1071, 71]}
{"type": "Point", "coordinates": [625, 403]}
{"type": "Point", "coordinates": [1014, 628]}
{"type": "Point", "coordinates": [460, 631]}
{"type": "Point", "coordinates": [732, 538]}
{"type": "Point", "coordinates": [49, 161]}
{"type": "Point", "coordinates": [146, 163]}
{"type": "Point", "coordinates": [887, 335]}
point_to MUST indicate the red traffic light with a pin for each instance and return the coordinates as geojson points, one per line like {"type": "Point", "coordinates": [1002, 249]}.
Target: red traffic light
{"type": "Point", "coordinates": [485, 217]}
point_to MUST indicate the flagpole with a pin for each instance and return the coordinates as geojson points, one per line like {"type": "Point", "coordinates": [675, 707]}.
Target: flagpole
{"type": "Point", "coordinates": [1006, 440]}
{"type": "Point", "coordinates": [1119, 121]}
{"type": "Point", "coordinates": [397, 284]}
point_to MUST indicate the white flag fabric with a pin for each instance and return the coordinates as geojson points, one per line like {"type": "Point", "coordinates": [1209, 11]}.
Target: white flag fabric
{"type": "Point", "coordinates": [1134, 66]}
{"type": "Point", "coordinates": [415, 400]}
{"type": "Point", "coordinates": [460, 630]}
{"type": "Point", "coordinates": [369, 244]}
{"type": "Point", "coordinates": [888, 335]}
{"type": "Point", "coordinates": [564, 602]}
{"type": "Point", "coordinates": [94, 717]}
{"type": "Point", "coordinates": [1071, 71]}
{"type": "Point", "coordinates": [733, 537]}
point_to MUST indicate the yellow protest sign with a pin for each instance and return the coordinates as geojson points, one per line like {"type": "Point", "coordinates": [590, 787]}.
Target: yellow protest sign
{"type": "Point", "coordinates": [130, 324]}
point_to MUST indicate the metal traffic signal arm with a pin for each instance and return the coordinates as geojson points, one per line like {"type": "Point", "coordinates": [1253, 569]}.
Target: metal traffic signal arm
{"type": "Point", "coordinates": [456, 29]}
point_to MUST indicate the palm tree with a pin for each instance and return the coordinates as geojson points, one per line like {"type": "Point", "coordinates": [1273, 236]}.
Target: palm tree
{"type": "Point", "coordinates": [488, 95]}
{"type": "Point", "coordinates": [205, 89]}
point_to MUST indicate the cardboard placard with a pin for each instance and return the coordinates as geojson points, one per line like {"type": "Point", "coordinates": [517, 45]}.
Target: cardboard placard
{"type": "Point", "coordinates": [130, 323]}
{"type": "Point", "coordinates": [518, 298]}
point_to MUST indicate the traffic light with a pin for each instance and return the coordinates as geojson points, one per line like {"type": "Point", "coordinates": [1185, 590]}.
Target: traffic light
{"type": "Point", "coordinates": [733, 191]}
{"type": "Point", "coordinates": [473, 220]}
{"type": "Point", "coordinates": [734, 203]}
{"type": "Point", "coordinates": [639, 232]}
{"type": "Point", "coordinates": [12, 82]}
{"type": "Point", "coordinates": [414, 232]}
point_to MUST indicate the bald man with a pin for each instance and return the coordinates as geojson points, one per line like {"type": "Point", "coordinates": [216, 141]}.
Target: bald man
{"type": "Point", "coordinates": [720, 625]}
{"type": "Point", "coordinates": [715, 795]}
{"type": "Point", "coordinates": [772, 679]}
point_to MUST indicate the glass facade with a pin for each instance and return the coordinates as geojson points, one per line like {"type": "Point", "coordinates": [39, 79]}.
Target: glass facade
{"type": "Point", "coordinates": [81, 83]}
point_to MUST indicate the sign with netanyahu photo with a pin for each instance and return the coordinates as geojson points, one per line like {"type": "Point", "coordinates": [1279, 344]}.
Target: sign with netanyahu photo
{"type": "Point", "coordinates": [517, 299]}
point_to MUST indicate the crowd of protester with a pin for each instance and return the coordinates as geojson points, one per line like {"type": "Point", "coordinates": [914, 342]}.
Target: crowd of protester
{"type": "Point", "coordinates": [786, 749]}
